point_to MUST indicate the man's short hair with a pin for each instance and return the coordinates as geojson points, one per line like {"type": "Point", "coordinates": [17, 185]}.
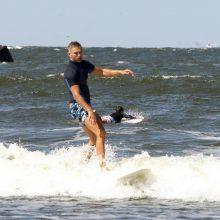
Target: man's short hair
{"type": "Point", "coordinates": [74, 44]}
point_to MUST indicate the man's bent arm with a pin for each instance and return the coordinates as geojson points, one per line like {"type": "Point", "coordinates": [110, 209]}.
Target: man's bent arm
{"type": "Point", "coordinates": [80, 100]}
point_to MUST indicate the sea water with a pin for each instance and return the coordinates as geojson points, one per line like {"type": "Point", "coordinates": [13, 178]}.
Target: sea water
{"type": "Point", "coordinates": [42, 169]}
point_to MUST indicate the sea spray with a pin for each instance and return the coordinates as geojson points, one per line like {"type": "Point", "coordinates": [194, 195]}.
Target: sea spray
{"type": "Point", "coordinates": [63, 172]}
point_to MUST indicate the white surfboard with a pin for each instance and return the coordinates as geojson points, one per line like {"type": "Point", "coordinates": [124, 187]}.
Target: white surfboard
{"type": "Point", "coordinates": [136, 178]}
{"type": "Point", "coordinates": [137, 119]}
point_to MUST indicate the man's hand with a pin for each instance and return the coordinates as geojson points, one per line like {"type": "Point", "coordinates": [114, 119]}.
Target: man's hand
{"type": "Point", "coordinates": [127, 72]}
{"type": "Point", "coordinates": [92, 117]}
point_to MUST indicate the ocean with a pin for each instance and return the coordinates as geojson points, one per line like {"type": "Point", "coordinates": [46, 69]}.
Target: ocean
{"type": "Point", "coordinates": [42, 171]}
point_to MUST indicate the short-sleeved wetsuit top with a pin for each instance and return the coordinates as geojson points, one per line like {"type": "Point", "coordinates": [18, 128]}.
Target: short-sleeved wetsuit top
{"type": "Point", "coordinates": [77, 74]}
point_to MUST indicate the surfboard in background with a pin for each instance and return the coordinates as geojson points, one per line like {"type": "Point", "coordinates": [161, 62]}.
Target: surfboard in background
{"type": "Point", "coordinates": [135, 120]}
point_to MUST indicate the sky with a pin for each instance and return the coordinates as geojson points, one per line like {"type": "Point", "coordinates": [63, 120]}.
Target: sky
{"type": "Point", "coordinates": [110, 23]}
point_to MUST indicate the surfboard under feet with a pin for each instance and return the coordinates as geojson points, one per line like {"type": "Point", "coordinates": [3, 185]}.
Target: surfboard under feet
{"type": "Point", "coordinates": [135, 178]}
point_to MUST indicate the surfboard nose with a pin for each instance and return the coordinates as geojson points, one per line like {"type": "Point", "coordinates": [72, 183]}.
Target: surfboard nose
{"type": "Point", "coordinates": [137, 178]}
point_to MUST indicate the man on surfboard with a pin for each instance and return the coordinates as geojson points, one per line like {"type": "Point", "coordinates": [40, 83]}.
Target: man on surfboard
{"type": "Point", "coordinates": [116, 116]}
{"type": "Point", "coordinates": [76, 75]}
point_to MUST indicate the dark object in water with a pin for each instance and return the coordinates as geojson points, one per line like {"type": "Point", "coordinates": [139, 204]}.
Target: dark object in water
{"type": "Point", "coordinates": [5, 55]}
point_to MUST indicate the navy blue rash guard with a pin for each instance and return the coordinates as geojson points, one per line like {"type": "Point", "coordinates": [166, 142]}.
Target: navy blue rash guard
{"type": "Point", "coordinates": [77, 74]}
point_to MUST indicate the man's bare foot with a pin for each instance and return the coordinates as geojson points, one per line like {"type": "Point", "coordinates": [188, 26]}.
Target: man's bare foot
{"type": "Point", "coordinates": [87, 152]}
{"type": "Point", "coordinates": [103, 166]}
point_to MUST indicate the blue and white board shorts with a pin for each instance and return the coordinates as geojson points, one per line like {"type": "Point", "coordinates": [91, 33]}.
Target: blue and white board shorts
{"type": "Point", "coordinates": [76, 111]}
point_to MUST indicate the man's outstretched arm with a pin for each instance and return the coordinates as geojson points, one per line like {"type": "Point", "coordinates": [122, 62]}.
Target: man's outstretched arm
{"type": "Point", "coordinates": [111, 73]}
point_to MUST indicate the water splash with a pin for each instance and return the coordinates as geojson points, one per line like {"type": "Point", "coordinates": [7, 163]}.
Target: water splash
{"type": "Point", "coordinates": [63, 172]}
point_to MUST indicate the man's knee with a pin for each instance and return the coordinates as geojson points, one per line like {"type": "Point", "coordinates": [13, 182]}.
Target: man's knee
{"type": "Point", "coordinates": [102, 133]}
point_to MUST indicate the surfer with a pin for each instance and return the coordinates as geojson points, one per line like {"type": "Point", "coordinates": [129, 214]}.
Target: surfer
{"type": "Point", "coordinates": [76, 75]}
{"type": "Point", "coordinates": [116, 116]}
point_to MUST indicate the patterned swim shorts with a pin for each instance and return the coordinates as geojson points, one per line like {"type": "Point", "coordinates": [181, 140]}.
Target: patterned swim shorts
{"type": "Point", "coordinates": [76, 111]}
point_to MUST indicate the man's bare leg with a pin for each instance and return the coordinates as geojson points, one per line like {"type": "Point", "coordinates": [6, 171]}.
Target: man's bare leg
{"type": "Point", "coordinates": [92, 142]}
{"type": "Point", "coordinates": [99, 132]}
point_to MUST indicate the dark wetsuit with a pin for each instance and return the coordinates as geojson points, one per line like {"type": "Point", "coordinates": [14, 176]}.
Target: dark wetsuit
{"type": "Point", "coordinates": [119, 115]}
{"type": "Point", "coordinates": [77, 74]}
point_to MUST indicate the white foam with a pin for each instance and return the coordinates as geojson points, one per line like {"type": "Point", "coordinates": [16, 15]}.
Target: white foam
{"type": "Point", "coordinates": [54, 75]}
{"type": "Point", "coordinates": [15, 47]}
{"type": "Point", "coordinates": [177, 77]}
{"type": "Point", "coordinates": [204, 135]}
{"type": "Point", "coordinates": [63, 173]}
{"type": "Point", "coordinates": [135, 113]}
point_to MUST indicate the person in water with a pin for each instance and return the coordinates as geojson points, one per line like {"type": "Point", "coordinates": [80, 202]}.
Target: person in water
{"type": "Point", "coordinates": [75, 76]}
{"type": "Point", "coordinates": [116, 116]}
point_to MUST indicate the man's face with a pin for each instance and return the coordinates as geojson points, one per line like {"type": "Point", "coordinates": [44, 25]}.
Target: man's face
{"type": "Point", "coordinates": [76, 54]}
